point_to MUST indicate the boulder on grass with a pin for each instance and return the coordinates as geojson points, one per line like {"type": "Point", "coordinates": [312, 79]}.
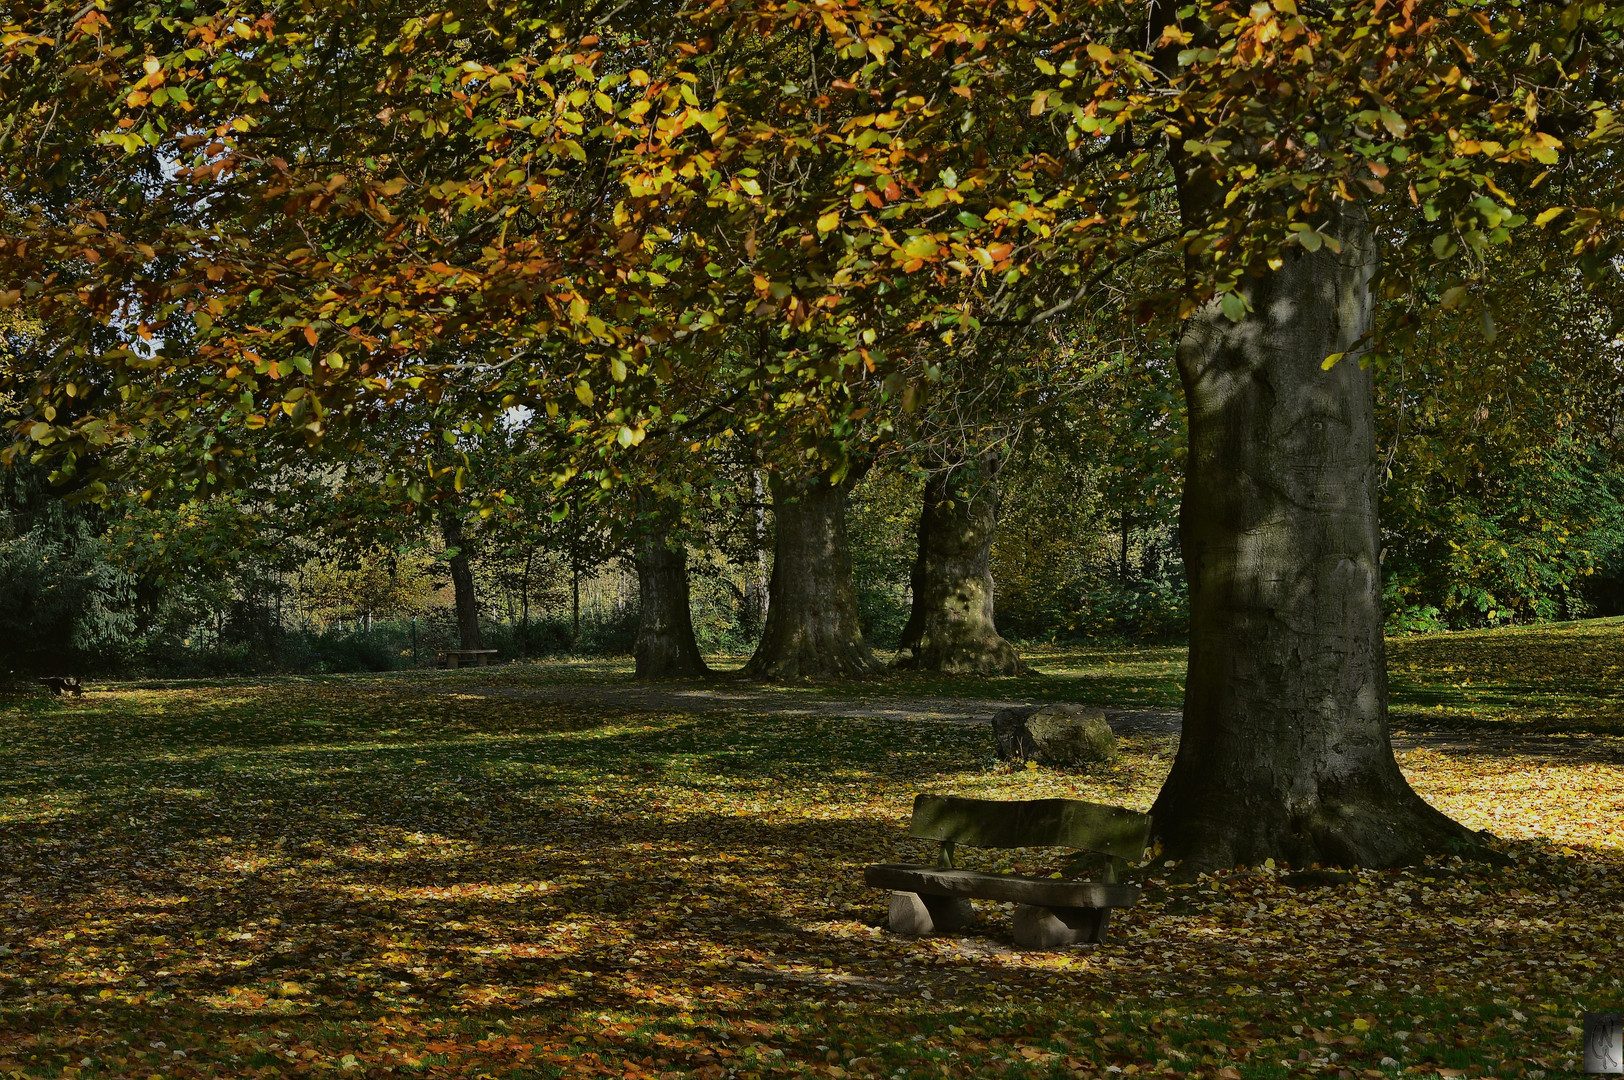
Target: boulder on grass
{"type": "Point", "coordinates": [1054, 735]}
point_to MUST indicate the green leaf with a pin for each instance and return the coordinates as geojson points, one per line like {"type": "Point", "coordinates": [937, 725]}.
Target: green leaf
{"type": "Point", "coordinates": [921, 247]}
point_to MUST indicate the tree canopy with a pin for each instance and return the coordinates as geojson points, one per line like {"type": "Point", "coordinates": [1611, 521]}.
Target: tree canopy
{"type": "Point", "coordinates": [276, 219]}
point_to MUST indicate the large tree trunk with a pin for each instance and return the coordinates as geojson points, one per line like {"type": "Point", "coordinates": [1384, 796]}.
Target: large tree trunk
{"type": "Point", "coordinates": [812, 628]}
{"type": "Point", "coordinates": [1285, 751]}
{"type": "Point", "coordinates": [950, 627]}
{"type": "Point", "coordinates": [462, 581]}
{"type": "Point", "coordinates": [665, 647]}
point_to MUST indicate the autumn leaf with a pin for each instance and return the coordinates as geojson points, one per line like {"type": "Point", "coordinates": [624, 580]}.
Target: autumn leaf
{"type": "Point", "coordinates": [527, 868]}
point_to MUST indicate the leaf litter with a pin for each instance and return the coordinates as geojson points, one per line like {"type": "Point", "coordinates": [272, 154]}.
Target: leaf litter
{"type": "Point", "coordinates": [396, 876]}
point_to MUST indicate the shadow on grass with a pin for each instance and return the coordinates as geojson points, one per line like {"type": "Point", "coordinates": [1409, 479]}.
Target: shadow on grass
{"type": "Point", "coordinates": [440, 882]}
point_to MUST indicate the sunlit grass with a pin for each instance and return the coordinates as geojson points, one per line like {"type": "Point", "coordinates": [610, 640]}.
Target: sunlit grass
{"type": "Point", "coordinates": [408, 875]}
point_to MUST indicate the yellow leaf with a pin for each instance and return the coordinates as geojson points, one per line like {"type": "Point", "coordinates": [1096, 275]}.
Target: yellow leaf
{"type": "Point", "coordinates": [829, 222]}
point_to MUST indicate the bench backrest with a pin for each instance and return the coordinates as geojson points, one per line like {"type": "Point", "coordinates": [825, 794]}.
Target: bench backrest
{"type": "Point", "coordinates": [1071, 823]}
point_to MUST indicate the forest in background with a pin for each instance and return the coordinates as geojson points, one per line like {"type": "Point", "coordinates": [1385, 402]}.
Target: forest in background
{"type": "Point", "coordinates": [1494, 512]}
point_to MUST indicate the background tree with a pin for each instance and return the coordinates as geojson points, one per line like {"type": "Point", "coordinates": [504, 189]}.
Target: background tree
{"type": "Point", "coordinates": [951, 627]}
{"type": "Point", "coordinates": [812, 626]}
{"type": "Point", "coordinates": [665, 646]}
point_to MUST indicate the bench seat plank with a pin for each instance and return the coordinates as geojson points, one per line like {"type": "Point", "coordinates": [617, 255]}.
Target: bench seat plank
{"type": "Point", "coordinates": [1039, 892]}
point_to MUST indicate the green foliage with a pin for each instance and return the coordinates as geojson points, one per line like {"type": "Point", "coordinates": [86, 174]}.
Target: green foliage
{"type": "Point", "coordinates": [1099, 459]}
{"type": "Point", "coordinates": [1058, 556]}
{"type": "Point", "coordinates": [65, 607]}
{"type": "Point", "coordinates": [1517, 544]}
{"type": "Point", "coordinates": [1504, 472]}
{"type": "Point", "coordinates": [882, 522]}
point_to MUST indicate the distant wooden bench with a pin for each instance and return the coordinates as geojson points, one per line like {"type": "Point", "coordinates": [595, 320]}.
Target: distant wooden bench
{"type": "Point", "coordinates": [63, 684]}
{"type": "Point", "coordinates": [1051, 912]}
{"type": "Point", "coordinates": [455, 658]}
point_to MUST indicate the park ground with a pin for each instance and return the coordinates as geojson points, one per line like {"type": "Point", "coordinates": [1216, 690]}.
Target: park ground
{"type": "Point", "coordinates": [542, 870]}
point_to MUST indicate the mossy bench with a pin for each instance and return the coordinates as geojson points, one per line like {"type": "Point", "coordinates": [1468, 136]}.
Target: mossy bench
{"type": "Point", "coordinates": [1050, 912]}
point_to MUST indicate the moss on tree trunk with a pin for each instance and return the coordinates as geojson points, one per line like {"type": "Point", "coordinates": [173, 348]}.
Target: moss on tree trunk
{"type": "Point", "coordinates": [950, 626]}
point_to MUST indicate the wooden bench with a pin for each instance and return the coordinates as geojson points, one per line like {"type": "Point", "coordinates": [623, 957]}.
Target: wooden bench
{"type": "Point", "coordinates": [455, 658]}
{"type": "Point", "coordinates": [1051, 911]}
{"type": "Point", "coordinates": [63, 684]}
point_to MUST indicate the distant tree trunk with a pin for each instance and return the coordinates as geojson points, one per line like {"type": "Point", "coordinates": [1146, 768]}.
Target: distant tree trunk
{"type": "Point", "coordinates": [950, 627]}
{"type": "Point", "coordinates": [1122, 557]}
{"type": "Point", "coordinates": [575, 598]}
{"type": "Point", "coordinates": [812, 627]}
{"type": "Point", "coordinates": [1285, 751]}
{"type": "Point", "coordinates": [665, 647]}
{"type": "Point", "coordinates": [757, 593]}
{"type": "Point", "coordinates": [524, 605]}
{"type": "Point", "coordinates": [462, 581]}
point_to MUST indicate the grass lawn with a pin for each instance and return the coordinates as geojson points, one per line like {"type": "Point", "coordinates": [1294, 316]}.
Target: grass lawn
{"type": "Point", "coordinates": [432, 874]}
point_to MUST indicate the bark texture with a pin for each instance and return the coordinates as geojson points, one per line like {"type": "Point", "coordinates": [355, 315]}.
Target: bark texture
{"type": "Point", "coordinates": [665, 646]}
{"type": "Point", "coordinates": [812, 628]}
{"type": "Point", "coordinates": [1285, 751]}
{"type": "Point", "coordinates": [462, 581]}
{"type": "Point", "coordinates": [950, 627]}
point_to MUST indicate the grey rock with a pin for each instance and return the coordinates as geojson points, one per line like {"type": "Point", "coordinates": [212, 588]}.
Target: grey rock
{"type": "Point", "coordinates": [1054, 734]}
{"type": "Point", "coordinates": [1049, 928]}
{"type": "Point", "coordinates": [916, 916]}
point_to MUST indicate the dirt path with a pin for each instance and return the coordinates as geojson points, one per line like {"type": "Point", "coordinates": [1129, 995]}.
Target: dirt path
{"type": "Point", "coordinates": [810, 701]}
{"type": "Point", "coordinates": [774, 701]}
